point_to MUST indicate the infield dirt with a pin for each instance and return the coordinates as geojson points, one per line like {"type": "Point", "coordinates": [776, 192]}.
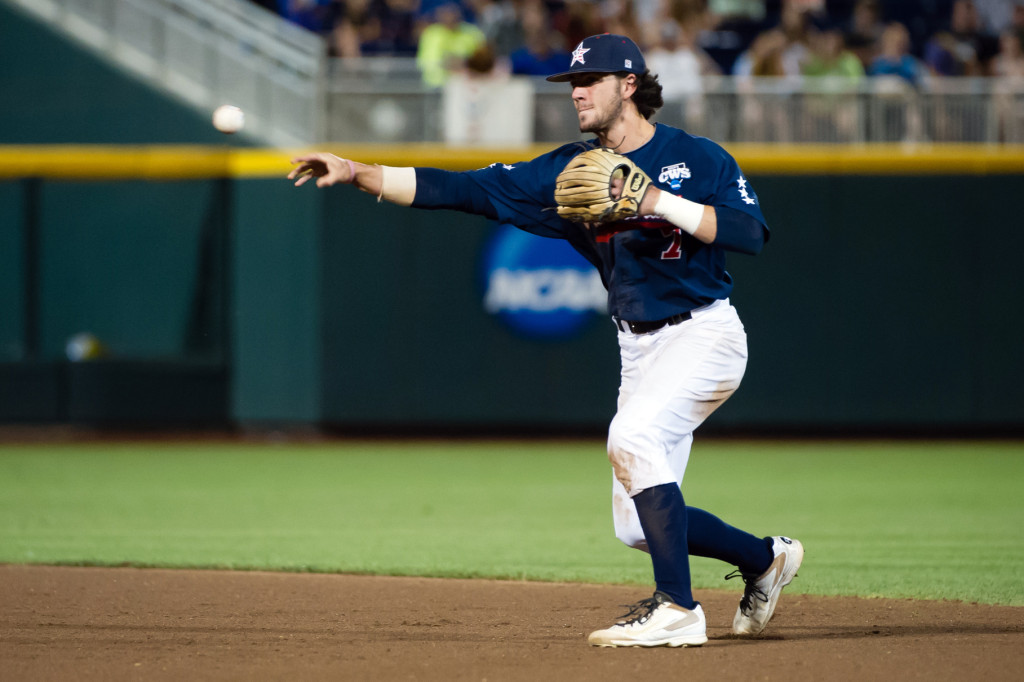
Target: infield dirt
{"type": "Point", "coordinates": [63, 623]}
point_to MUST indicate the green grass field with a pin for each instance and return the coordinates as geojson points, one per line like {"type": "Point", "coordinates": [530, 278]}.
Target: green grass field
{"type": "Point", "coordinates": [890, 519]}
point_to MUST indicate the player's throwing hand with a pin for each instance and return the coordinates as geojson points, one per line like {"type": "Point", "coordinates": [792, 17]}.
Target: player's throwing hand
{"type": "Point", "coordinates": [328, 170]}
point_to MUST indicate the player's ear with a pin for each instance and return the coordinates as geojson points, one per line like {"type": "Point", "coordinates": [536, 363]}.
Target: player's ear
{"type": "Point", "coordinates": [628, 85]}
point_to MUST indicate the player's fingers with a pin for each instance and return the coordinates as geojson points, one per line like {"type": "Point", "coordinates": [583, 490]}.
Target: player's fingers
{"type": "Point", "coordinates": [302, 173]}
{"type": "Point", "coordinates": [616, 188]}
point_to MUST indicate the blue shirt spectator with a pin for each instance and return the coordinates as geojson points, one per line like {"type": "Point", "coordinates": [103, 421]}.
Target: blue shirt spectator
{"type": "Point", "coordinates": [894, 58]}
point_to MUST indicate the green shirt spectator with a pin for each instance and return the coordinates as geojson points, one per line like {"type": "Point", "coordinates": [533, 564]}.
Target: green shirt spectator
{"type": "Point", "coordinates": [445, 44]}
{"type": "Point", "coordinates": [829, 58]}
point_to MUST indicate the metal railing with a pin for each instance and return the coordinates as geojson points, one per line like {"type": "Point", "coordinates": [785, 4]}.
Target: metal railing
{"type": "Point", "coordinates": [388, 103]}
{"type": "Point", "coordinates": [809, 110]}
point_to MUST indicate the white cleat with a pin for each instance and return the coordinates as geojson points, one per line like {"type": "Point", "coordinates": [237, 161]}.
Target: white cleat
{"type": "Point", "coordinates": [656, 621]}
{"type": "Point", "coordinates": [762, 592]}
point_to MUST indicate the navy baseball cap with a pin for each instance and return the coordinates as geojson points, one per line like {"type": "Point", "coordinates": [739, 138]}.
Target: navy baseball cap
{"type": "Point", "coordinates": [605, 53]}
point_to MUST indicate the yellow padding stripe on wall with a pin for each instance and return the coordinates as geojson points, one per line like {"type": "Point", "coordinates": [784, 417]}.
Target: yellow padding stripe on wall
{"type": "Point", "coordinates": [167, 162]}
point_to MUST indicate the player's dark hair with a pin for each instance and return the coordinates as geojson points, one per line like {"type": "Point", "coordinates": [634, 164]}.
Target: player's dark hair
{"type": "Point", "coordinates": [647, 97]}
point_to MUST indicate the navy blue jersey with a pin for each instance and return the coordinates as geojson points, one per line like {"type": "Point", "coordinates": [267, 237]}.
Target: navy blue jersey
{"type": "Point", "coordinates": [651, 268]}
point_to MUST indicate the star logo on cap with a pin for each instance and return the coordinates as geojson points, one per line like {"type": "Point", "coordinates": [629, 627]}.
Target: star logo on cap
{"type": "Point", "coordinates": [577, 55]}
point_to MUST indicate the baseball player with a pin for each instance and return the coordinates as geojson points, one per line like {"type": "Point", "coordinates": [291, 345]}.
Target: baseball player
{"type": "Point", "coordinates": [654, 209]}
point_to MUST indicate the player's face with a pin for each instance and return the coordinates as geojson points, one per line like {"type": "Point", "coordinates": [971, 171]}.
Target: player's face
{"type": "Point", "coordinates": [598, 100]}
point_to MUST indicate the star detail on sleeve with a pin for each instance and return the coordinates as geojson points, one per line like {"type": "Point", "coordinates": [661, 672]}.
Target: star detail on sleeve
{"type": "Point", "coordinates": [507, 166]}
{"type": "Point", "coordinates": [577, 55]}
{"type": "Point", "coordinates": [747, 199]}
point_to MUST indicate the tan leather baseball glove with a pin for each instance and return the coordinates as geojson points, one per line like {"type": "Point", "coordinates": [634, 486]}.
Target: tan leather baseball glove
{"type": "Point", "coordinates": [583, 190]}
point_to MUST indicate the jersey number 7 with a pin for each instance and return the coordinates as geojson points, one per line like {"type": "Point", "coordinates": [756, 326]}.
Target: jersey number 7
{"type": "Point", "coordinates": [675, 249]}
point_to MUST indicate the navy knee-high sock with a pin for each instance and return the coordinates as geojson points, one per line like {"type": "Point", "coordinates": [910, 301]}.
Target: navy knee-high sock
{"type": "Point", "coordinates": [663, 517]}
{"type": "Point", "coordinates": [709, 536]}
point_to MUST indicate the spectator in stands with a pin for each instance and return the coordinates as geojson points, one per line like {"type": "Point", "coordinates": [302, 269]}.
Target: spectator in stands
{"type": "Point", "coordinates": [943, 58]}
{"type": "Point", "coordinates": [963, 50]}
{"type": "Point", "coordinates": [830, 57]}
{"type": "Point", "coordinates": [543, 51]}
{"type": "Point", "coordinates": [446, 43]}
{"type": "Point", "coordinates": [678, 60]}
{"type": "Point", "coordinates": [1009, 63]}
{"type": "Point", "coordinates": [374, 27]}
{"type": "Point", "coordinates": [795, 23]}
{"type": "Point", "coordinates": [764, 57]}
{"type": "Point", "coordinates": [922, 19]}
{"type": "Point", "coordinates": [894, 58]}
{"type": "Point", "coordinates": [865, 30]}
{"type": "Point", "coordinates": [833, 73]}
{"type": "Point", "coordinates": [896, 75]}
{"type": "Point", "coordinates": [345, 39]}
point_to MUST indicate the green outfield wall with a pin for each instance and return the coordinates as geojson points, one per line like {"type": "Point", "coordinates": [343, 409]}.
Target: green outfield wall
{"type": "Point", "coordinates": [887, 299]}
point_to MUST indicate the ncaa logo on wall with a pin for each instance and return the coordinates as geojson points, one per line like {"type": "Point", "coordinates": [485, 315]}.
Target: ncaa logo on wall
{"type": "Point", "coordinates": [540, 287]}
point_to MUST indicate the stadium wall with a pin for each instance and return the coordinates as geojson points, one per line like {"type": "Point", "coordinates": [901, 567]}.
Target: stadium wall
{"type": "Point", "coordinates": [886, 298]}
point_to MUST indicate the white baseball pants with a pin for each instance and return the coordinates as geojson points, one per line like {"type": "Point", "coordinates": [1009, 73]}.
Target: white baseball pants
{"type": "Point", "coordinates": [672, 380]}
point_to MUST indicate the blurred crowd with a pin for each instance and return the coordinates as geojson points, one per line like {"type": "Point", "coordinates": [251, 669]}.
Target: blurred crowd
{"type": "Point", "coordinates": [854, 39]}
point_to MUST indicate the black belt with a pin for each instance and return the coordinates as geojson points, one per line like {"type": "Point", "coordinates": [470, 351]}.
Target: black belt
{"type": "Point", "coordinates": [647, 327]}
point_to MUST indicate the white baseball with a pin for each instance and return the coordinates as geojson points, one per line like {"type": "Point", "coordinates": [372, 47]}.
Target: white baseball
{"type": "Point", "coordinates": [228, 119]}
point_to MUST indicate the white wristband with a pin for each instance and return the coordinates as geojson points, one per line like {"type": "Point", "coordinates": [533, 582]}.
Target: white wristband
{"type": "Point", "coordinates": [397, 185]}
{"type": "Point", "coordinates": [682, 213]}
